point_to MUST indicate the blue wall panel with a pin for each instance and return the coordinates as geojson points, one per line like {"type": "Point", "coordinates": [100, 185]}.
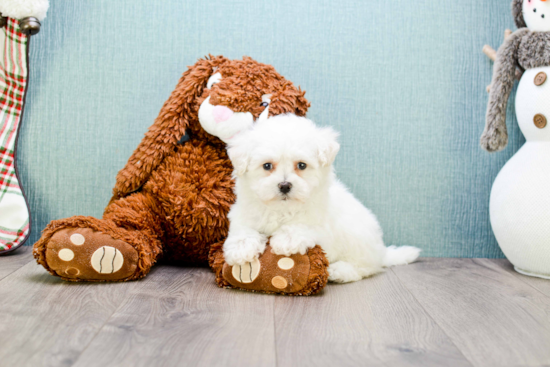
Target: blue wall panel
{"type": "Point", "coordinates": [404, 82]}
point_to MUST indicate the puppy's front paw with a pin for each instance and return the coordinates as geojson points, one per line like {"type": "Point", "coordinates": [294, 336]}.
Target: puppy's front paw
{"type": "Point", "coordinates": [288, 243]}
{"type": "Point", "coordinates": [241, 249]}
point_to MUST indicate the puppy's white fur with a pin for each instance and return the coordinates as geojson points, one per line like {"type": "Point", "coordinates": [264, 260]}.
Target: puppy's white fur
{"type": "Point", "coordinates": [318, 209]}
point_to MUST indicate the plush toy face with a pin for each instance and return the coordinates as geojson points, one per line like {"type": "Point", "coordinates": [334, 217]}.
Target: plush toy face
{"type": "Point", "coordinates": [221, 121]}
{"type": "Point", "coordinates": [536, 14]}
{"type": "Point", "coordinates": [241, 92]}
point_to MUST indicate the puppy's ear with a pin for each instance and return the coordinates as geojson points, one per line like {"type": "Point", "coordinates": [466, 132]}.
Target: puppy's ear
{"type": "Point", "coordinates": [239, 156]}
{"type": "Point", "coordinates": [328, 146]}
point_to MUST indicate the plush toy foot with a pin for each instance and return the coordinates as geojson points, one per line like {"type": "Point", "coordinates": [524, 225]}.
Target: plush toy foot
{"type": "Point", "coordinates": [79, 253]}
{"type": "Point", "coordinates": [296, 275]}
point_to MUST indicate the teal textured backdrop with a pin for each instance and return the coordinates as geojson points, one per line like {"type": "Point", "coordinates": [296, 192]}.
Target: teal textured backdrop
{"type": "Point", "coordinates": [403, 81]}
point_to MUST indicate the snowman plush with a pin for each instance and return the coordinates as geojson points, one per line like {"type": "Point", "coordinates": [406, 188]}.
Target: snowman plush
{"type": "Point", "coordinates": [520, 197]}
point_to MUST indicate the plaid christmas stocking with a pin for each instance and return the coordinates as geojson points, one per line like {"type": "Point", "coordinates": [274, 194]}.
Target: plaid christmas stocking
{"type": "Point", "coordinates": [14, 212]}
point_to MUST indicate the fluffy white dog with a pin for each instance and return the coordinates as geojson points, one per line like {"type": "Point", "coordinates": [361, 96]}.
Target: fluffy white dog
{"type": "Point", "coordinates": [287, 190]}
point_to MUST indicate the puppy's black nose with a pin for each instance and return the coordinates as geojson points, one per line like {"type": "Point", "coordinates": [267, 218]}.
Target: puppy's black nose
{"type": "Point", "coordinates": [285, 187]}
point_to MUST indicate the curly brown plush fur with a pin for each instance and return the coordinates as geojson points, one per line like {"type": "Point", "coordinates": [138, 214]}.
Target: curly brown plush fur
{"type": "Point", "coordinates": [171, 199]}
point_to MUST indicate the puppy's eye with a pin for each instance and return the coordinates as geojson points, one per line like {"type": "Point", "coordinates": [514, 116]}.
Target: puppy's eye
{"type": "Point", "coordinates": [264, 104]}
{"type": "Point", "coordinates": [302, 166]}
{"type": "Point", "coordinates": [268, 166]}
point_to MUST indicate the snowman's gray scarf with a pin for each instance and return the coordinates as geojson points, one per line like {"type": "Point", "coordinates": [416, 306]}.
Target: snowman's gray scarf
{"type": "Point", "coordinates": [527, 50]}
{"type": "Point", "coordinates": [517, 12]}
{"type": "Point", "coordinates": [534, 50]}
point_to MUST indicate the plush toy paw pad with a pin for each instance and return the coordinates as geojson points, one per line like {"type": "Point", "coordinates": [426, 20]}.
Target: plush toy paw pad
{"type": "Point", "coordinates": [66, 254]}
{"type": "Point", "coordinates": [279, 282]}
{"type": "Point", "coordinates": [85, 254]}
{"type": "Point", "coordinates": [77, 239]}
{"type": "Point", "coordinates": [270, 273]}
{"type": "Point", "coordinates": [246, 273]}
{"type": "Point", "coordinates": [285, 263]}
{"type": "Point", "coordinates": [107, 260]}
{"type": "Point", "coordinates": [72, 272]}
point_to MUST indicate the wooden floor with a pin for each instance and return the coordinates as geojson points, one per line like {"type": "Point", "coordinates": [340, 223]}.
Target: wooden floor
{"type": "Point", "coordinates": [437, 312]}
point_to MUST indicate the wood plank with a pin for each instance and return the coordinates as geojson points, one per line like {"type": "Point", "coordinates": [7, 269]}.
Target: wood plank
{"type": "Point", "coordinates": [45, 321]}
{"type": "Point", "coordinates": [459, 311]}
{"type": "Point", "coordinates": [542, 285]}
{"type": "Point", "coordinates": [494, 318]}
{"type": "Point", "coordinates": [374, 322]}
{"type": "Point", "coordinates": [179, 316]}
{"type": "Point", "coordinates": [15, 260]}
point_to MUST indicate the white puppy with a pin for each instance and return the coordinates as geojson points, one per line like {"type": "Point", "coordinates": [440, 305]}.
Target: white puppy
{"type": "Point", "coordinates": [287, 190]}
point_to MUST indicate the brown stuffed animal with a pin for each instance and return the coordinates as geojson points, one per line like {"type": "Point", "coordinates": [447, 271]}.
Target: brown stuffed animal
{"type": "Point", "coordinates": [171, 199]}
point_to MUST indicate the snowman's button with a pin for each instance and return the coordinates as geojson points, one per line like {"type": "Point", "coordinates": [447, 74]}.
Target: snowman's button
{"type": "Point", "coordinates": [540, 121]}
{"type": "Point", "coordinates": [540, 78]}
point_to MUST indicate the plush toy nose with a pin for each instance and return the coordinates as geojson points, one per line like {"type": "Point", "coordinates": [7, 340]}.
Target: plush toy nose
{"type": "Point", "coordinates": [221, 113]}
{"type": "Point", "coordinates": [285, 187]}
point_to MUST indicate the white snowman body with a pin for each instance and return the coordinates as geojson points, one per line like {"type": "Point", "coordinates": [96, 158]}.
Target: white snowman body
{"type": "Point", "coordinates": [520, 197]}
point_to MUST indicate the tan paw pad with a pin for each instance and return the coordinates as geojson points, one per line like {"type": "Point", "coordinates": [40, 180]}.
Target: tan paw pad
{"type": "Point", "coordinates": [66, 254]}
{"type": "Point", "coordinates": [77, 239]}
{"type": "Point", "coordinates": [279, 282]}
{"type": "Point", "coordinates": [107, 260]}
{"type": "Point", "coordinates": [285, 263]}
{"type": "Point", "coordinates": [246, 273]}
{"type": "Point", "coordinates": [73, 272]}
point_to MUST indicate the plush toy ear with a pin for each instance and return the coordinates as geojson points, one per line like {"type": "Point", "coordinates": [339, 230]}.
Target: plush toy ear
{"type": "Point", "coordinates": [169, 127]}
{"type": "Point", "coordinates": [289, 99]}
{"type": "Point", "coordinates": [517, 12]}
{"type": "Point", "coordinates": [328, 146]}
{"type": "Point", "coordinates": [302, 104]}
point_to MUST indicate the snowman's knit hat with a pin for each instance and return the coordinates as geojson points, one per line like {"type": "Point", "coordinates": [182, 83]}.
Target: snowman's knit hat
{"type": "Point", "coordinates": [517, 12]}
